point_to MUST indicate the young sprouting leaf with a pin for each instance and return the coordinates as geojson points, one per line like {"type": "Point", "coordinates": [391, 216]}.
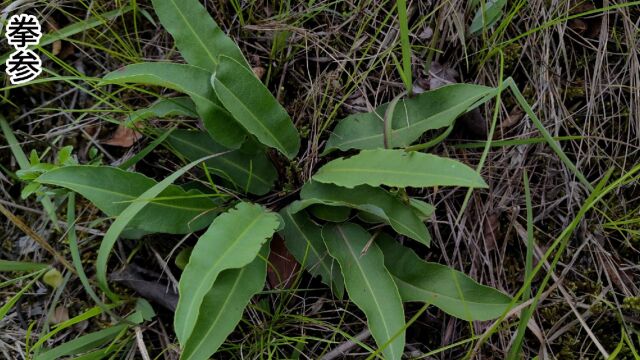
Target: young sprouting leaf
{"type": "Point", "coordinates": [197, 36]}
{"type": "Point", "coordinates": [254, 107]}
{"type": "Point", "coordinates": [432, 283]}
{"type": "Point", "coordinates": [398, 168]}
{"type": "Point", "coordinates": [369, 284]}
{"type": "Point", "coordinates": [373, 200]}
{"type": "Point", "coordinates": [178, 106]}
{"type": "Point", "coordinates": [303, 239]}
{"type": "Point", "coordinates": [182, 259]}
{"type": "Point", "coordinates": [111, 190]}
{"type": "Point", "coordinates": [53, 278]}
{"type": "Point", "coordinates": [411, 118]}
{"type": "Point", "coordinates": [192, 81]}
{"type": "Point", "coordinates": [232, 241]}
{"type": "Point", "coordinates": [423, 209]}
{"type": "Point", "coordinates": [223, 306]}
{"type": "Point", "coordinates": [253, 173]}
{"type": "Point", "coordinates": [486, 15]}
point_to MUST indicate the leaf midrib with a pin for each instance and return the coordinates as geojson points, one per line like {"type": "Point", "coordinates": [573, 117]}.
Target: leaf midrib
{"type": "Point", "coordinates": [443, 296]}
{"type": "Point", "coordinates": [227, 161]}
{"type": "Point", "coordinates": [195, 34]}
{"type": "Point", "coordinates": [266, 129]}
{"type": "Point", "coordinates": [318, 255]}
{"type": "Point", "coordinates": [402, 130]}
{"type": "Point", "coordinates": [218, 316]}
{"type": "Point", "coordinates": [69, 184]}
{"type": "Point", "coordinates": [214, 266]}
{"type": "Point", "coordinates": [368, 284]}
{"type": "Point", "coordinates": [370, 171]}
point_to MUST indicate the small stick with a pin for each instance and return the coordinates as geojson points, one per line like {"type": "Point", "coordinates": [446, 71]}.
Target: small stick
{"type": "Point", "coordinates": [37, 238]}
{"type": "Point", "coordinates": [344, 348]}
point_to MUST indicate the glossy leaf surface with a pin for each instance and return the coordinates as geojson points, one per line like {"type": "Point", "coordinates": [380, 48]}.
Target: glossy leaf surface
{"type": "Point", "coordinates": [373, 200]}
{"type": "Point", "coordinates": [397, 168]}
{"type": "Point", "coordinates": [410, 119]}
{"type": "Point", "coordinates": [254, 107]}
{"type": "Point", "coordinates": [223, 306]}
{"type": "Point", "coordinates": [253, 173]}
{"type": "Point", "coordinates": [189, 80]}
{"type": "Point", "coordinates": [197, 36]}
{"type": "Point", "coordinates": [111, 190]}
{"type": "Point", "coordinates": [369, 285]}
{"type": "Point", "coordinates": [232, 241]}
{"type": "Point", "coordinates": [450, 290]}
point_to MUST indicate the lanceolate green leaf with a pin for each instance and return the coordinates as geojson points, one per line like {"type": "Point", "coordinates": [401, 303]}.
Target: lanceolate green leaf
{"type": "Point", "coordinates": [192, 81]}
{"type": "Point", "coordinates": [423, 209]}
{"type": "Point", "coordinates": [369, 285]}
{"type": "Point", "coordinates": [376, 201]}
{"type": "Point", "coordinates": [411, 118]}
{"type": "Point", "coordinates": [432, 283]}
{"type": "Point", "coordinates": [397, 168]}
{"type": "Point", "coordinates": [112, 190]}
{"type": "Point", "coordinates": [223, 306]}
{"type": "Point", "coordinates": [178, 106]}
{"type": "Point", "coordinates": [303, 239]}
{"type": "Point", "coordinates": [195, 33]}
{"type": "Point", "coordinates": [253, 173]}
{"type": "Point", "coordinates": [232, 241]}
{"type": "Point", "coordinates": [253, 106]}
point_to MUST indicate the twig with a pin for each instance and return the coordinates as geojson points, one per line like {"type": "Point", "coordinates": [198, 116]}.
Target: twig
{"type": "Point", "coordinates": [344, 348]}
{"type": "Point", "coordinates": [37, 238]}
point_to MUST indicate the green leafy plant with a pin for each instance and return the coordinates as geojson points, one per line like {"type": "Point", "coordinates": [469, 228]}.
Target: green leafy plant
{"type": "Point", "coordinates": [343, 227]}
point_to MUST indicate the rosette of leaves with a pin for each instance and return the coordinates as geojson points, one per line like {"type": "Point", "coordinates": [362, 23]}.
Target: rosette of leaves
{"type": "Point", "coordinates": [345, 224]}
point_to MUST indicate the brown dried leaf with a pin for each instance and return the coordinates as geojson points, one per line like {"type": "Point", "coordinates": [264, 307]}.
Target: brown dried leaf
{"type": "Point", "coordinates": [124, 136]}
{"type": "Point", "coordinates": [491, 231]}
{"type": "Point", "coordinates": [60, 314]}
{"type": "Point", "coordinates": [282, 265]}
{"type": "Point", "coordinates": [259, 71]}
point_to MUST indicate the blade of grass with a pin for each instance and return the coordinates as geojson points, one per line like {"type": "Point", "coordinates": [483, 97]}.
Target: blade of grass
{"type": "Point", "coordinates": [139, 156]}
{"type": "Point", "coordinates": [127, 214]}
{"type": "Point", "coordinates": [516, 346]}
{"type": "Point", "coordinates": [75, 28]}
{"type": "Point", "coordinates": [14, 299]}
{"type": "Point", "coordinates": [405, 45]}
{"type": "Point", "coordinates": [510, 83]}
{"type": "Point", "coordinates": [24, 164]}
{"type": "Point", "coordinates": [75, 255]}
{"type": "Point", "coordinates": [560, 243]}
{"type": "Point", "coordinates": [487, 146]}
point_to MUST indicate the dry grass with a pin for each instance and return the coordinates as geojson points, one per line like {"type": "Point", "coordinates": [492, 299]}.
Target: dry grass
{"type": "Point", "coordinates": [582, 78]}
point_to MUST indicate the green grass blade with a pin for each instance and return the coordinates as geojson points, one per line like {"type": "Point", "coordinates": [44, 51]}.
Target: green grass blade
{"type": "Point", "coordinates": [126, 216]}
{"type": "Point", "coordinates": [7, 265]}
